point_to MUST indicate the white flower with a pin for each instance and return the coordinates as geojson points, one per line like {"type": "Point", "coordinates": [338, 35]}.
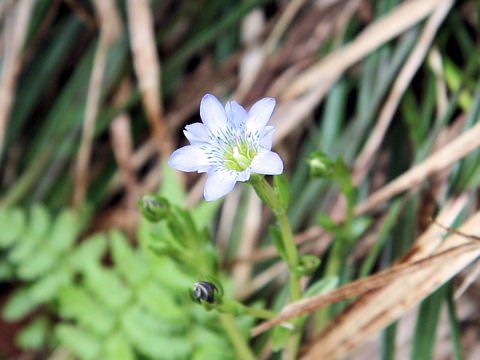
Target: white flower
{"type": "Point", "coordinates": [229, 145]}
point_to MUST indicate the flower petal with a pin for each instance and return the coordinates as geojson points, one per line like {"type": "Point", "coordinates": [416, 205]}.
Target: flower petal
{"type": "Point", "coordinates": [266, 137]}
{"type": "Point", "coordinates": [196, 133]}
{"type": "Point", "coordinates": [213, 115]}
{"type": "Point", "coordinates": [259, 115]}
{"type": "Point", "coordinates": [267, 163]}
{"type": "Point", "coordinates": [244, 175]}
{"type": "Point", "coordinates": [219, 183]}
{"type": "Point", "coordinates": [236, 114]}
{"type": "Point", "coordinates": [190, 158]}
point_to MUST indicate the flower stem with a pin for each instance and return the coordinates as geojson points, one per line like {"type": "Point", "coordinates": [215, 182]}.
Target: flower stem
{"type": "Point", "coordinates": [241, 347]}
{"type": "Point", "coordinates": [292, 255]}
{"type": "Point", "coordinates": [261, 313]}
{"type": "Point", "coordinates": [268, 195]}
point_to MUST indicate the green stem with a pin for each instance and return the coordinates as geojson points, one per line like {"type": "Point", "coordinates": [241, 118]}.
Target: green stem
{"type": "Point", "coordinates": [233, 307]}
{"type": "Point", "coordinates": [241, 347]}
{"type": "Point", "coordinates": [268, 195]}
{"type": "Point", "coordinates": [261, 313]}
{"type": "Point", "coordinates": [292, 255]}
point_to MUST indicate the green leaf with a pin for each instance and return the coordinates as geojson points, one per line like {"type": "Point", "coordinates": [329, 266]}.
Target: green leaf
{"type": "Point", "coordinates": [38, 264]}
{"type": "Point", "coordinates": [280, 337]}
{"type": "Point", "coordinates": [39, 221]}
{"type": "Point", "coordinates": [46, 288]}
{"type": "Point", "coordinates": [204, 213]}
{"type": "Point", "coordinates": [170, 275]}
{"type": "Point", "coordinates": [161, 302]}
{"type": "Point", "coordinates": [427, 322]}
{"type": "Point", "coordinates": [209, 350]}
{"type": "Point", "coordinates": [106, 285]}
{"type": "Point", "coordinates": [327, 222]}
{"type": "Point", "coordinates": [64, 232]}
{"type": "Point", "coordinates": [75, 303]}
{"type": "Point", "coordinates": [151, 343]}
{"type": "Point", "coordinates": [172, 188]}
{"type": "Point", "coordinates": [133, 266]}
{"type": "Point", "coordinates": [20, 304]}
{"type": "Point", "coordinates": [322, 286]}
{"type": "Point", "coordinates": [7, 271]}
{"type": "Point", "coordinates": [90, 250]}
{"type": "Point", "coordinates": [282, 190]}
{"type": "Point", "coordinates": [12, 225]}
{"type": "Point", "coordinates": [210, 344]}
{"type": "Point", "coordinates": [34, 336]}
{"type": "Point", "coordinates": [80, 342]}
{"type": "Point", "coordinates": [24, 249]}
{"type": "Point", "coordinates": [118, 348]}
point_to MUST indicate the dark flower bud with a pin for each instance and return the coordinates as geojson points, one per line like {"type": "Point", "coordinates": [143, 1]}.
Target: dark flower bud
{"type": "Point", "coordinates": [205, 291]}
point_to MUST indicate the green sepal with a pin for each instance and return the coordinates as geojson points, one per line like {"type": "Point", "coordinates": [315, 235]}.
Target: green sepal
{"type": "Point", "coordinates": [282, 190]}
{"type": "Point", "coordinates": [276, 236]}
{"type": "Point", "coordinates": [264, 191]}
{"type": "Point", "coordinates": [215, 281]}
{"type": "Point", "coordinates": [307, 265]}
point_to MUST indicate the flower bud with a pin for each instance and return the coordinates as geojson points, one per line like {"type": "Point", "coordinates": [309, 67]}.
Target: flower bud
{"type": "Point", "coordinates": [205, 291]}
{"type": "Point", "coordinates": [154, 207]}
{"type": "Point", "coordinates": [320, 164]}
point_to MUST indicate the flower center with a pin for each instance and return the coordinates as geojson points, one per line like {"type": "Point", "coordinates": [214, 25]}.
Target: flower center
{"type": "Point", "coordinates": [239, 156]}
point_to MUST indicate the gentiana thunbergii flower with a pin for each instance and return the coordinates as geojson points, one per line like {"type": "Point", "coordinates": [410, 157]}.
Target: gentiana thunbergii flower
{"type": "Point", "coordinates": [229, 145]}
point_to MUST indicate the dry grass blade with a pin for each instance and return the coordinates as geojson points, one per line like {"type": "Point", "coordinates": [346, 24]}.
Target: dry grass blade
{"type": "Point", "coordinates": [300, 98]}
{"type": "Point", "coordinates": [362, 286]}
{"type": "Point", "coordinates": [377, 309]}
{"type": "Point", "coordinates": [122, 146]}
{"type": "Point", "coordinates": [110, 29]}
{"type": "Point", "coordinates": [384, 29]}
{"type": "Point", "coordinates": [147, 68]}
{"type": "Point", "coordinates": [446, 156]}
{"type": "Point", "coordinates": [420, 258]}
{"type": "Point", "coordinates": [14, 32]}
{"type": "Point", "coordinates": [365, 160]}
{"type": "Point", "coordinates": [282, 24]}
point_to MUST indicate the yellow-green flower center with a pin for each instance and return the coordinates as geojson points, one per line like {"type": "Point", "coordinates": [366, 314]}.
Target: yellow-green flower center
{"type": "Point", "coordinates": [239, 156]}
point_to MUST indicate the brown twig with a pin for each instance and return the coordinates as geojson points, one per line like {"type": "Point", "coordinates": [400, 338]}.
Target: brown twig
{"type": "Point", "coordinates": [455, 231]}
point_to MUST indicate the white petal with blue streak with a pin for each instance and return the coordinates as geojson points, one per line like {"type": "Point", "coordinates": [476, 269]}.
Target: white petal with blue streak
{"type": "Point", "coordinates": [267, 163]}
{"type": "Point", "coordinates": [196, 133]}
{"type": "Point", "coordinates": [190, 158]}
{"type": "Point", "coordinates": [213, 115]}
{"type": "Point", "coordinates": [219, 183]}
{"type": "Point", "coordinates": [236, 114]}
{"type": "Point", "coordinates": [259, 115]}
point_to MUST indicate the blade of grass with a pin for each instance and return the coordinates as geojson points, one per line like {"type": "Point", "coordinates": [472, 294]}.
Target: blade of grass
{"type": "Point", "coordinates": [427, 322]}
{"type": "Point", "coordinates": [455, 330]}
